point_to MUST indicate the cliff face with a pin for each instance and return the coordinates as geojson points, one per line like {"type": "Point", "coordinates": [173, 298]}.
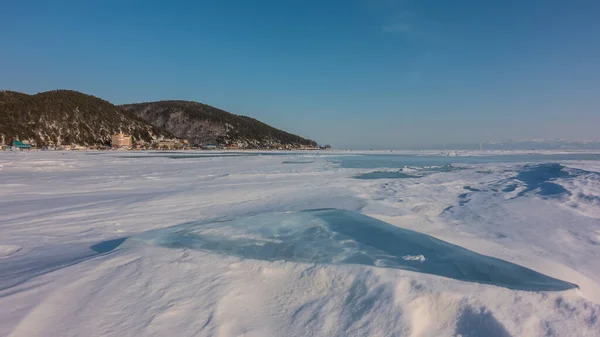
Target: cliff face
{"type": "Point", "coordinates": [68, 117]}
{"type": "Point", "coordinates": [204, 124]}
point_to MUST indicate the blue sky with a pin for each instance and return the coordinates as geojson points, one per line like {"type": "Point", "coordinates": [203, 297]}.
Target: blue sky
{"type": "Point", "coordinates": [353, 73]}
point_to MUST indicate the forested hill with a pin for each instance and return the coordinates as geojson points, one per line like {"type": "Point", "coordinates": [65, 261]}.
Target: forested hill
{"type": "Point", "coordinates": [201, 123]}
{"type": "Point", "coordinates": [62, 117]}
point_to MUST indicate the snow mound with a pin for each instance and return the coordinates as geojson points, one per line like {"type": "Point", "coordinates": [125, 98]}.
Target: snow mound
{"type": "Point", "coordinates": [8, 250]}
{"type": "Point", "coordinates": [332, 236]}
{"type": "Point", "coordinates": [414, 258]}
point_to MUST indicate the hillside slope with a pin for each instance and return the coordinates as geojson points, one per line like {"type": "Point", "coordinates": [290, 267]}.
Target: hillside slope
{"type": "Point", "coordinates": [68, 117]}
{"type": "Point", "coordinates": [201, 123]}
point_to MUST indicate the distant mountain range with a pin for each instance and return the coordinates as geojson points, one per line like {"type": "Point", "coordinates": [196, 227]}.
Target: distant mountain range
{"type": "Point", "coordinates": [534, 144]}
{"type": "Point", "coordinates": [201, 123]}
{"type": "Point", "coordinates": [543, 144]}
{"type": "Point", "coordinates": [65, 117]}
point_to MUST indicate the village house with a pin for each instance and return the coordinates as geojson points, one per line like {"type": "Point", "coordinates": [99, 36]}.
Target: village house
{"type": "Point", "coordinates": [121, 140]}
{"type": "Point", "coordinates": [21, 145]}
{"type": "Point", "coordinates": [169, 145]}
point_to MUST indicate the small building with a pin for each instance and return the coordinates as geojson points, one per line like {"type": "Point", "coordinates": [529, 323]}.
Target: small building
{"type": "Point", "coordinates": [121, 140]}
{"type": "Point", "coordinates": [21, 145]}
{"type": "Point", "coordinates": [169, 145]}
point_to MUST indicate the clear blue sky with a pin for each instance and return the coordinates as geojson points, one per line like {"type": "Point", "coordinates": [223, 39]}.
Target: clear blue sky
{"type": "Point", "coordinates": [353, 73]}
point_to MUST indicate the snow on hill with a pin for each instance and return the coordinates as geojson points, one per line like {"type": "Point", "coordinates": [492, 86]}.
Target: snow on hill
{"type": "Point", "coordinates": [65, 117]}
{"type": "Point", "coordinates": [201, 123]}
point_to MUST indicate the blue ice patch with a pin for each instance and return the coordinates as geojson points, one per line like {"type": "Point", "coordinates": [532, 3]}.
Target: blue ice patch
{"type": "Point", "coordinates": [540, 177]}
{"type": "Point", "coordinates": [332, 236]}
{"type": "Point", "coordinates": [384, 175]}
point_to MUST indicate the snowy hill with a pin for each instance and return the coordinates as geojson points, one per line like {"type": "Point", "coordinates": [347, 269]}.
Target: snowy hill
{"type": "Point", "coordinates": [201, 123]}
{"type": "Point", "coordinates": [68, 117]}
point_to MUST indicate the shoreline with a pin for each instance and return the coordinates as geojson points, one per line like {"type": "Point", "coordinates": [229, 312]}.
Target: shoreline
{"type": "Point", "coordinates": [456, 153]}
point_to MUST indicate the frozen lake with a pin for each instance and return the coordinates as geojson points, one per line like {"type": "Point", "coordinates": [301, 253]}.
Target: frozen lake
{"type": "Point", "coordinates": [297, 244]}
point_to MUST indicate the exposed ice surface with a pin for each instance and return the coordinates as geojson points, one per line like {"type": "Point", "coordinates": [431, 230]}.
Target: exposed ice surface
{"type": "Point", "coordinates": [385, 175]}
{"type": "Point", "coordinates": [91, 244]}
{"type": "Point", "coordinates": [540, 177]}
{"type": "Point", "coordinates": [298, 161]}
{"type": "Point", "coordinates": [338, 237]}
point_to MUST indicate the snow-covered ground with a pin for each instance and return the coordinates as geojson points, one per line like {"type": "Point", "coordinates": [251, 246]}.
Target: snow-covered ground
{"type": "Point", "coordinates": [189, 244]}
